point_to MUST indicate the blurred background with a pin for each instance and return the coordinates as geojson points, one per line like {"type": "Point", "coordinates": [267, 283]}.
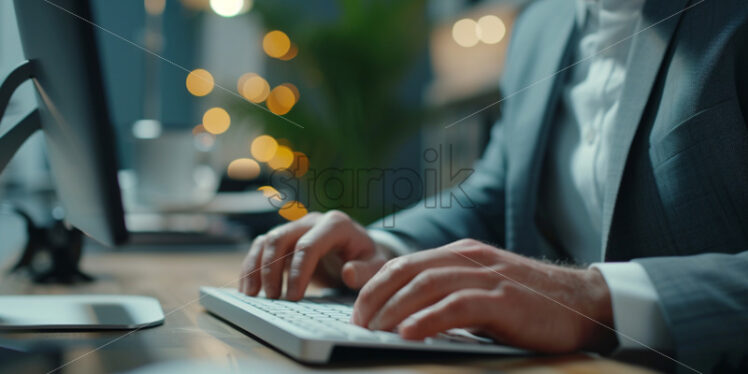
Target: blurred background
{"type": "Point", "coordinates": [235, 115]}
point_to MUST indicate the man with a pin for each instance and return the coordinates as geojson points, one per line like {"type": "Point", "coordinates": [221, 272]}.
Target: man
{"type": "Point", "coordinates": [623, 140]}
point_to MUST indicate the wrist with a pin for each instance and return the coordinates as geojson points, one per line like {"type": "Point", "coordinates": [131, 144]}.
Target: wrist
{"type": "Point", "coordinates": [601, 336]}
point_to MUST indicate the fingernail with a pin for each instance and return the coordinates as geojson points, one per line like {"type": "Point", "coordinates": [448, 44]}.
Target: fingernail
{"type": "Point", "coordinates": [354, 275]}
{"type": "Point", "coordinates": [375, 324]}
{"type": "Point", "coordinates": [349, 275]}
{"type": "Point", "coordinates": [291, 294]}
{"type": "Point", "coordinates": [291, 289]}
{"type": "Point", "coordinates": [270, 293]}
{"type": "Point", "coordinates": [410, 321]}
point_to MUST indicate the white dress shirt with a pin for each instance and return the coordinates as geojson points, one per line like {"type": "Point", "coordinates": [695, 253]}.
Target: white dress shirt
{"type": "Point", "coordinates": [571, 194]}
{"type": "Point", "coordinates": [574, 182]}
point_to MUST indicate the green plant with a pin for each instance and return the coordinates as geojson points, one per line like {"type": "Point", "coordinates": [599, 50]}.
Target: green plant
{"type": "Point", "coordinates": [351, 70]}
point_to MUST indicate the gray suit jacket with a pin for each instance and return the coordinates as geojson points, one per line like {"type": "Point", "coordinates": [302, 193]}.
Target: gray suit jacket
{"type": "Point", "coordinates": [676, 196]}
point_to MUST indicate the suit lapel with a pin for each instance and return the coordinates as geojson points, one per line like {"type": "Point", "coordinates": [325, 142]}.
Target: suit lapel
{"type": "Point", "coordinates": [648, 48]}
{"type": "Point", "coordinates": [527, 140]}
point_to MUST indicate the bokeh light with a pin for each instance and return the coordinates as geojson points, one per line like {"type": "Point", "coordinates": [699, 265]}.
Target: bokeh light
{"type": "Point", "coordinates": [294, 90]}
{"type": "Point", "coordinates": [254, 87]}
{"type": "Point", "coordinates": [198, 129]}
{"type": "Point", "coordinates": [243, 79]}
{"type": "Point", "coordinates": [230, 8]}
{"type": "Point", "coordinates": [196, 4]}
{"type": "Point", "coordinates": [263, 148]}
{"type": "Point", "coordinates": [146, 129]}
{"type": "Point", "coordinates": [216, 121]}
{"type": "Point", "coordinates": [282, 159]}
{"type": "Point", "coordinates": [270, 192]}
{"type": "Point", "coordinates": [204, 141]}
{"type": "Point", "coordinates": [292, 52]}
{"type": "Point", "coordinates": [300, 164]}
{"type": "Point", "coordinates": [293, 210]}
{"type": "Point", "coordinates": [155, 7]}
{"type": "Point", "coordinates": [491, 29]}
{"type": "Point", "coordinates": [243, 169]}
{"type": "Point", "coordinates": [199, 82]}
{"type": "Point", "coordinates": [281, 100]}
{"type": "Point", "coordinates": [276, 43]}
{"type": "Point", "coordinates": [465, 32]}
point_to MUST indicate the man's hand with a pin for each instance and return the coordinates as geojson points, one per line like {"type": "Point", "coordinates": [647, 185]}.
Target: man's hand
{"type": "Point", "coordinates": [468, 284]}
{"type": "Point", "coordinates": [332, 238]}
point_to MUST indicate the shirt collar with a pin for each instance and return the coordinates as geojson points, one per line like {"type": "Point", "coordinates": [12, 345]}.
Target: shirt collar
{"type": "Point", "coordinates": [582, 8]}
{"type": "Point", "coordinates": [592, 8]}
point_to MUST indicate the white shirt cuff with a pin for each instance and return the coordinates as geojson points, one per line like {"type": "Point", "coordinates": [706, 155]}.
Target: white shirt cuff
{"type": "Point", "coordinates": [389, 242]}
{"type": "Point", "coordinates": [638, 319]}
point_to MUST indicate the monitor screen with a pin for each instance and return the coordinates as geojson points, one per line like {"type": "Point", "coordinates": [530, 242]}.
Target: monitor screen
{"type": "Point", "coordinates": [58, 35]}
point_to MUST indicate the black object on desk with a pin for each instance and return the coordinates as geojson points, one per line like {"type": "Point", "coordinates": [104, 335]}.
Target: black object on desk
{"type": "Point", "coordinates": [59, 43]}
{"type": "Point", "coordinates": [63, 246]}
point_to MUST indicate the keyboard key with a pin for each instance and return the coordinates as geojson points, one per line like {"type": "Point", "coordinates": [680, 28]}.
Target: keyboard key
{"type": "Point", "coordinates": [387, 336]}
{"type": "Point", "coordinates": [327, 317]}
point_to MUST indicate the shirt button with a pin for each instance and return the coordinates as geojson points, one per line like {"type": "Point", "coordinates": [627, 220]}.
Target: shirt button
{"type": "Point", "coordinates": [590, 135]}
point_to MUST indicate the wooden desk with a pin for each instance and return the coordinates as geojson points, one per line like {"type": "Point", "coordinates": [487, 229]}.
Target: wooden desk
{"type": "Point", "coordinates": [191, 340]}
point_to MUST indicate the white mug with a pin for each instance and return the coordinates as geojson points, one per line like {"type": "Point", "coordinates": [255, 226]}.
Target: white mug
{"type": "Point", "coordinates": [166, 170]}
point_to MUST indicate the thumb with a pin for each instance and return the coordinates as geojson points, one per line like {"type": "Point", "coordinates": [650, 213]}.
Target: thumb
{"type": "Point", "coordinates": [356, 273]}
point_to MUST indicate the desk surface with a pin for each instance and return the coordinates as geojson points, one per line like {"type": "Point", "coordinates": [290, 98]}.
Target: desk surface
{"type": "Point", "coordinates": [192, 340]}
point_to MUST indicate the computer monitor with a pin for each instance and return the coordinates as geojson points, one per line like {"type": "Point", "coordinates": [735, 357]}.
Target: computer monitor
{"type": "Point", "coordinates": [58, 40]}
{"type": "Point", "coordinates": [62, 61]}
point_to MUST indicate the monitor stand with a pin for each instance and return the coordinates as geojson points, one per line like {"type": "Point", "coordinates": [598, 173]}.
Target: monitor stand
{"type": "Point", "coordinates": [62, 312]}
{"type": "Point", "coordinates": [61, 247]}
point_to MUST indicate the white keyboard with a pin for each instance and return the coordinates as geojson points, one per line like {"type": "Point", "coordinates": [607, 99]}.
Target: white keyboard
{"type": "Point", "coordinates": [322, 316]}
{"type": "Point", "coordinates": [309, 330]}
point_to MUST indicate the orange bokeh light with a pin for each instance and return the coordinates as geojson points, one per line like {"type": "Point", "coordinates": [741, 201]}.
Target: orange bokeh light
{"type": "Point", "coordinates": [216, 121]}
{"type": "Point", "coordinates": [293, 89]}
{"type": "Point", "coordinates": [292, 52]}
{"type": "Point", "coordinates": [263, 148]}
{"type": "Point", "coordinates": [255, 88]}
{"type": "Point", "coordinates": [243, 169]}
{"type": "Point", "coordinates": [293, 210]}
{"type": "Point", "coordinates": [282, 159]}
{"type": "Point", "coordinates": [300, 164]}
{"type": "Point", "coordinates": [276, 44]}
{"type": "Point", "coordinates": [281, 100]}
{"type": "Point", "coordinates": [270, 192]}
{"type": "Point", "coordinates": [199, 82]}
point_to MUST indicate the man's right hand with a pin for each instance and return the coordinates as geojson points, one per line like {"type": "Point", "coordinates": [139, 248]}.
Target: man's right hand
{"type": "Point", "coordinates": [299, 246]}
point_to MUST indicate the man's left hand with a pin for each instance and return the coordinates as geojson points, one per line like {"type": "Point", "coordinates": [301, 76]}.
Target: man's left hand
{"type": "Point", "coordinates": [514, 299]}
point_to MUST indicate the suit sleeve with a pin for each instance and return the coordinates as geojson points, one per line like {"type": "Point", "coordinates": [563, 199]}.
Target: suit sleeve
{"type": "Point", "coordinates": [704, 299]}
{"type": "Point", "coordinates": [476, 208]}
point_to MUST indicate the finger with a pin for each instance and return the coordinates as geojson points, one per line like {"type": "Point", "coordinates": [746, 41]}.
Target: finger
{"type": "Point", "coordinates": [462, 309]}
{"type": "Point", "coordinates": [244, 272]}
{"type": "Point", "coordinates": [397, 272]}
{"type": "Point", "coordinates": [278, 242]}
{"type": "Point", "coordinates": [356, 273]}
{"type": "Point", "coordinates": [250, 282]}
{"type": "Point", "coordinates": [334, 230]}
{"type": "Point", "coordinates": [428, 288]}
{"type": "Point", "coordinates": [286, 267]}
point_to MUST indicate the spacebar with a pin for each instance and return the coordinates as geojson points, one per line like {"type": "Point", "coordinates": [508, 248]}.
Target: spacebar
{"type": "Point", "coordinates": [352, 331]}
